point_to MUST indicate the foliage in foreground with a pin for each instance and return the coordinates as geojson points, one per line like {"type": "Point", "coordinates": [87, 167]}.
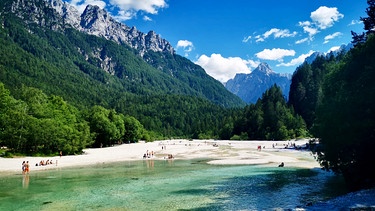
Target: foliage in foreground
{"type": "Point", "coordinates": [39, 124]}
{"type": "Point", "coordinates": [346, 118]}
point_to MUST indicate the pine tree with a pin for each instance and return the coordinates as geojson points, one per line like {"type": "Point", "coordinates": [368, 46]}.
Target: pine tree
{"type": "Point", "coordinates": [369, 24]}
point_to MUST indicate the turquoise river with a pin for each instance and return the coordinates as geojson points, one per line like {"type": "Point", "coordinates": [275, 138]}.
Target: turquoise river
{"type": "Point", "coordinates": [167, 185]}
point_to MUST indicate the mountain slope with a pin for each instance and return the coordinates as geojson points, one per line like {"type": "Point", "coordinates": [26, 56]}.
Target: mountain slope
{"type": "Point", "coordinates": [250, 87]}
{"type": "Point", "coordinates": [40, 49]}
{"type": "Point", "coordinates": [118, 54]}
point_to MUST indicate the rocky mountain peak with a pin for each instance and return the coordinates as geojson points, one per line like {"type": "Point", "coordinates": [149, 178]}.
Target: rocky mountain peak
{"type": "Point", "coordinates": [250, 87]}
{"type": "Point", "coordinates": [264, 68]}
{"type": "Point", "coordinates": [97, 21]}
{"type": "Point", "coordinates": [93, 20]}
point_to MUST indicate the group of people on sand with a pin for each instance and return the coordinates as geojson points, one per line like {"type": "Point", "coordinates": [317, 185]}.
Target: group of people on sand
{"type": "Point", "coordinates": [151, 154]}
{"type": "Point", "coordinates": [148, 154]}
{"type": "Point", "coordinates": [25, 167]}
{"type": "Point", "coordinates": [44, 163]}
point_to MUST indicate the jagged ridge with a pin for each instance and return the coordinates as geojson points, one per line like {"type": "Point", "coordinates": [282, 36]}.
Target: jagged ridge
{"type": "Point", "coordinates": [250, 87]}
{"type": "Point", "coordinates": [94, 21]}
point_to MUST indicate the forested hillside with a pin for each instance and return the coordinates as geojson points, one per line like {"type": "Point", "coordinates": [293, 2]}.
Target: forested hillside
{"type": "Point", "coordinates": [336, 97]}
{"type": "Point", "coordinates": [270, 118]}
{"type": "Point", "coordinates": [306, 87]}
{"type": "Point", "coordinates": [172, 97]}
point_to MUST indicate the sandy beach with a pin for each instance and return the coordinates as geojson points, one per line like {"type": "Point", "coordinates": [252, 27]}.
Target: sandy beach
{"type": "Point", "coordinates": [218, 152]}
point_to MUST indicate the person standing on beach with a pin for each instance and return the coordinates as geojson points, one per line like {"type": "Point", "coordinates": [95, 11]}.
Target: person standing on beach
{"type": "Point", "coordinates": [27, 167]}
{"type": "Point", "coordinates": [23, 167]}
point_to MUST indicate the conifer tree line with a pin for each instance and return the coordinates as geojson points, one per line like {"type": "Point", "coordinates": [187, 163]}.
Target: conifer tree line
{"type": "Point", "coordinates": [37, 124]}
{"type": "Point", "coordinates": [336, 97]}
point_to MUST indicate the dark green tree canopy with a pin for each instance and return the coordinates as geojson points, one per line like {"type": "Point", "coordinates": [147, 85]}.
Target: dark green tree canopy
{"type": "Point", "coordinates": [345, 118]}
{"type": "Point", "coordinates": [269, 119]}
{"type": "Point", "coordinates": [369, 24]}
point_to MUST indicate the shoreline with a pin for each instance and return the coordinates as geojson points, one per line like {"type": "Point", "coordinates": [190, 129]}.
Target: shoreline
{"type": "Point", "coordinates": [218, 152]}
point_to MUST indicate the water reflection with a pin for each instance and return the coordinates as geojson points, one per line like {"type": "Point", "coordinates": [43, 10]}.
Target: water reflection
{"type": "Point", "coordinates": [25, 181]}
{"type": "Point", "coordinates": [150, 164]}
{"type": "Point", "coordinates": [164, 184]}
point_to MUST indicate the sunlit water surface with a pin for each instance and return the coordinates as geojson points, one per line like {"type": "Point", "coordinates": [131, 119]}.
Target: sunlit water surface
{"type": "Point", "coordinates": [166, 185]}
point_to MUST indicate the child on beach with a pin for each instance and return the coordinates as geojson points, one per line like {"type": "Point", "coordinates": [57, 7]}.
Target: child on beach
{"type": "Point", "coordinates": [23, 167]}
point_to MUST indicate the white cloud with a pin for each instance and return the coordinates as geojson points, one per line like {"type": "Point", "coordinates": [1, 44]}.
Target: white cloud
{"type": "Point", "coordinates": [222, 68]}
{"type": "Point", "coordinates": [296, 61]}
{"type": "Point", "coordinates": [324, 17]}
{"type": "Point", "coordinates": [276, 33]}
{"type": "Point", "coordinates": [308, 28]}
{"type": "Point", "coordinates": [81, 5]}
{"type": "Point", "coordinates": [246, 39]}
{"type": "Point", "coordinates": [124, 15]}
{"type": "Point", "coordinates": [127, 9]}
{"type": "Point", "coordinates": [354, 22]}
{"type": "Point", "coordinates": [259, 38]}
{"type": "Point", "coordinates": [279, 33]}
{"type": "Point", "coordinates": [275, 54]}
{"type": "Point", "coordinates": [146, 18]}
{"type": "Point", "coordinates": [186, 45]}
{"type": "Point", "coordinates": [334, 48]}
{"type": "Point", "coordinates": [331, 36]}
{"type": "Point", "coordinates": [302, 40]}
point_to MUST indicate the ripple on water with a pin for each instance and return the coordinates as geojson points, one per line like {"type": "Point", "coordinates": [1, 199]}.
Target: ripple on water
{"type": "Point", "coordinates": [163, 185]}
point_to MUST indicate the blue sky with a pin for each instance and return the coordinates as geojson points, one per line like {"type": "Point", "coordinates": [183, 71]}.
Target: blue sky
{"type": "Point", "coordinates": [229, 37]}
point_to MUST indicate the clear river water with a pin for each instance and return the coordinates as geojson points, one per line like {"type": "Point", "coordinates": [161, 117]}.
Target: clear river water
{"type": "Point", "coordinates": [167, 185]}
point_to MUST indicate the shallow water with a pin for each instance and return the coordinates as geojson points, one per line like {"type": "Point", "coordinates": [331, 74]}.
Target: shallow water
{"type": "Point", "coordinates": [166, 185]}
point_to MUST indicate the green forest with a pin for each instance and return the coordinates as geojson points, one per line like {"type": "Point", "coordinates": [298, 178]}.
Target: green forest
{"type": "Point", "coordinates": [55, 96]}
{"type": "Point", "coordinates": [335, 95]}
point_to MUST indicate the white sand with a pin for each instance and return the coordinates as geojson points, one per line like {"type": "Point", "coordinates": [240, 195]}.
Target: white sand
{"type": "Point", "coordinates": [226, 152]}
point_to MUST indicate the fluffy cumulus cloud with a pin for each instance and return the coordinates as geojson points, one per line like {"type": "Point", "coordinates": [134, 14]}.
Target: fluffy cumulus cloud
{"type": "Point", "coordinates": [308, 28]}
{"type": "Point", "coordinates": [321, 19]}
{"type": "Point", "coordinates": [222, 68]}
{"type": "Point", "coordinates": [275, 54]}
{"type": "Point", "coordinates": [186, 45]}
{"type": "Point", "coordinates": [324, 17]}
{"type": "Point", "coordinates": [126, 9]}
{"type": "Point", "coordinates": [296, 61]}
{"type": "Point", "coordinates": [331, 36]}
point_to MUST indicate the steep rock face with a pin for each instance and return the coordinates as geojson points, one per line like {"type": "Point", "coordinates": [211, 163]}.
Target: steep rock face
{"type": "Point", "coordinates": [98, 22]}
{"type": "Point", "coordinates": [58, 15]}
{"type": "Point", "coordinates": [69, 14]}
{"type": "Point", "coordinates": [250, 87]}
{"type": "Point", "coordinates": [36, 12]}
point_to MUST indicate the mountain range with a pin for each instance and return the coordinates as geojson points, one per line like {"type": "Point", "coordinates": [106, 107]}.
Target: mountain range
{"type": "Point", "coordinates": [136, 59]}
{"type": "Point", "coordinates": [250, 87]}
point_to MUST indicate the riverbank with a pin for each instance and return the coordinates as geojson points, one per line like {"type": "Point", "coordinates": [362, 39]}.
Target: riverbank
{"type": "Point", "coordinates": [218, 152]}
{"type": "Point", "coordinates": [268, 153]}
